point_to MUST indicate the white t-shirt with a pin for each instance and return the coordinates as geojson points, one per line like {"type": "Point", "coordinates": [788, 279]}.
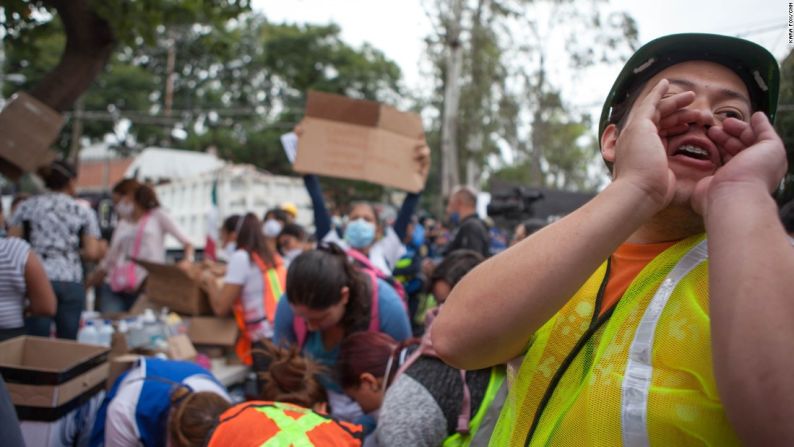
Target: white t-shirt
{"type": "Point", "coordinates": [242, 271]}
{"type": "Point", "coordinates": [383, 254]}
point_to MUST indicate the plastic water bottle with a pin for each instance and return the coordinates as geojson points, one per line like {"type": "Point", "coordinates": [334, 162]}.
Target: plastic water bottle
{"type": "Point", "coordinates": [135, 335]}
{"type": "Point", "coordinates": [153, 329]}
{"type": "Point", "coordinates": [88, 334]}
{"type": "Point", "coordinates": [106, 333]}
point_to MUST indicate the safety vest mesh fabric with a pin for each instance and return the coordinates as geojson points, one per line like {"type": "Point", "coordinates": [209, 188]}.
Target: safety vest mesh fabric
{"type": "Point", "coordinates": [681, 407]}
{"type": "Point", "coordinates": [276, 424]}
{"type": "Point", "coordinates": [495, 381]}
{"type": "Point", "coordinates": [274, 280]}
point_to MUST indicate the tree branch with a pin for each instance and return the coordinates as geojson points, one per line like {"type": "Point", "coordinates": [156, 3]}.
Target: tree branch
{"type": "Point", "coordinates": [89, 44]}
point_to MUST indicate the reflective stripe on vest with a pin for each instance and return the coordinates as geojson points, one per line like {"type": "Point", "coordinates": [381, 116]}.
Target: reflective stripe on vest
{"type": "Point", "coordinates": [292, 432]}
{"type": "Point", "coordinates": [494, 383]}
{"type": "Point", "coordinates": [272, 279]}
{"type": "Point", "coordinates": [637, 379]}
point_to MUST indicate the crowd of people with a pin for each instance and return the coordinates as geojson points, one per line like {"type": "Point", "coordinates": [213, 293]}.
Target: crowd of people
{"type": "Point", "coordinates": [300, 300]}
{"type": "Point", "coordinates": [615, 325]}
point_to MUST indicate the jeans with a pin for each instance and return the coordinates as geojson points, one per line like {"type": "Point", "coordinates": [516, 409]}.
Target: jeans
{"type": "Point", "coordinates": [115, 302]}
{"type": "Point", "coordinates": [71, 303]}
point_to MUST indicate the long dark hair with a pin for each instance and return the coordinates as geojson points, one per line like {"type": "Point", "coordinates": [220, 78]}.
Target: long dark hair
{"type": "Point", "coordinates": [316, 278]}
{"type": "Point", "coordinates": [251, 239]}
{"type": "Point", "coordinates": [291, 377]}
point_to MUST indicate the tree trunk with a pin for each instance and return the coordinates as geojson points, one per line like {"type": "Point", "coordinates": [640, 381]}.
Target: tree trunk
{"type": "Point", "coordinates": [89, 44]}
{"type": "Point", "coordinates": [476, 139]}
{"type": "Point", "coordinates": [450, 176]}
{"type": "Point", "coordinates": [538, 129]}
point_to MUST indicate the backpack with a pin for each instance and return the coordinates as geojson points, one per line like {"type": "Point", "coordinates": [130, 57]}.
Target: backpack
{"type": "Point", "coordinates": [365, 265]}
{"type": "Point", "coordinates": [426, 348]}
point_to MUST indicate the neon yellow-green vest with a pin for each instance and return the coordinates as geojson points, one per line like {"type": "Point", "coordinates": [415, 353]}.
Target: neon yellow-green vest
{"type": "Point", "coordinates": [640, 375]}
{"type": "Point", "coordinates": [494, 383]}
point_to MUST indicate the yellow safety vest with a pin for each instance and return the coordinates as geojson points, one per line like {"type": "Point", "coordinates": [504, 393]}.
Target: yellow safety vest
{"type": "Point", "coordinates": [494, 383]}
{"type": "Point", "coordinates": [640, 375]}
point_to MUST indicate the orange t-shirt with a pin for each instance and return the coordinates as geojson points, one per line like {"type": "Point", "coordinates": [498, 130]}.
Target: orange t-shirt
{"type": "Point", "coordinates": [627, 262]}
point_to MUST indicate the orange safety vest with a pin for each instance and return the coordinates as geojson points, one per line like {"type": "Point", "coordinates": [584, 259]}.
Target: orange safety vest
{"type": "Point", "coordinates": [274, 281]}
{"type": "Point", "coordinates": [259, 423]}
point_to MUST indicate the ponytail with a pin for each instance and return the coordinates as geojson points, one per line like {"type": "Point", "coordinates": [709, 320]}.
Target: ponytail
{"type": "Point", "coordinates": [193, 416]}
{"type": "Point", "coordinates": [291, 377]}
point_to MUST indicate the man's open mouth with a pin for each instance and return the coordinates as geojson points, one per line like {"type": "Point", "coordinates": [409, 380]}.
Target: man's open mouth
{"type": "Point", "coordinates": [695, 152]}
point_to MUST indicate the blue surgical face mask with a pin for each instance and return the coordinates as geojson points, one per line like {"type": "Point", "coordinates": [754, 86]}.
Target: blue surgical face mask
{"type": "Point", "coordinates": [419, 236]}
{"type": "Point", "coordinates": [359, 233]}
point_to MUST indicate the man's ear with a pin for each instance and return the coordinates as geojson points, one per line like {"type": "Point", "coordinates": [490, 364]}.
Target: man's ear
{"type": "Point", "coordinates": [608, 142]}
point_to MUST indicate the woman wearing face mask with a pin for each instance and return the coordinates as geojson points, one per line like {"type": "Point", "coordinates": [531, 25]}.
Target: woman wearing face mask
{"type": "Point", "coordinates": [328, 298]}
{"type": "Point", "coordinates": [363, 228]}
{"type": "Point", "coordinates": [143, 239]}
{"type": "Point", "coordinates": [254, 282]}
{"type": "Point", "coordinates": [272, 224]}
{"type": "Point", "coordinates": [110, 300]}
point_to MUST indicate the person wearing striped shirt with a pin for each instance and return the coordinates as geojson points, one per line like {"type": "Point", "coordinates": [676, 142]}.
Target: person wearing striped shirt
{"type": "Point", "coordinates": [21, 275]}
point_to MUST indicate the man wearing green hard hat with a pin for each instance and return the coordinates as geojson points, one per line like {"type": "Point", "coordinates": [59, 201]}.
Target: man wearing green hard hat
{"type": "Point", "coordinates": [626, 327]}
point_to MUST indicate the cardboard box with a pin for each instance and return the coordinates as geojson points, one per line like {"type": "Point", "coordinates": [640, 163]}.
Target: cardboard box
{"type": "Point", "coordinates": [360, 140]}
{"type": "Point", "coordinates": [27, 129]}
{"type": "Point", "coordinates": [180, 348]}
{"type": "Point", "coordinates": [73, 429]}
{"type": "Point", "coordinates": [174, 288]}
{"type": "Point", "coordinates": [47, 378]}
{"type": "Point", "coordinates": [213, 331]}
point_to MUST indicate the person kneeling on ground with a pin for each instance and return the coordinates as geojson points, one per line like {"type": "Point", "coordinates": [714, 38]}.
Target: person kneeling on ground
{"type": "Point", "coordinates": [416, 398]}
{"type": "Point", "coordinates": [293, 410]}
{"type": "Point", "coordinates": [150, 405]}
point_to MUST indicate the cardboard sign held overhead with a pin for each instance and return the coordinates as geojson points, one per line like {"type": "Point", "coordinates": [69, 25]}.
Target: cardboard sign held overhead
{"type": "Point", "coordinates": [27, 129]}
{"type": "Point", "coordinates": [360, 140]}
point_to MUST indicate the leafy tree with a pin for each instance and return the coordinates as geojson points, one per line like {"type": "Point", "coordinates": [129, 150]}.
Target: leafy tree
{"type": "Point", "coordinates": [236, 87]}
{"type": "Point", "coordinates": [93, 27]}
{"type": "Point", "coordinates": [507, 98]}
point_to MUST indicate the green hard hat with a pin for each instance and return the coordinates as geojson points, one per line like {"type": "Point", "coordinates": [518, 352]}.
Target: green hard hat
{"type": "Point", "coordinates": [752, 62]}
